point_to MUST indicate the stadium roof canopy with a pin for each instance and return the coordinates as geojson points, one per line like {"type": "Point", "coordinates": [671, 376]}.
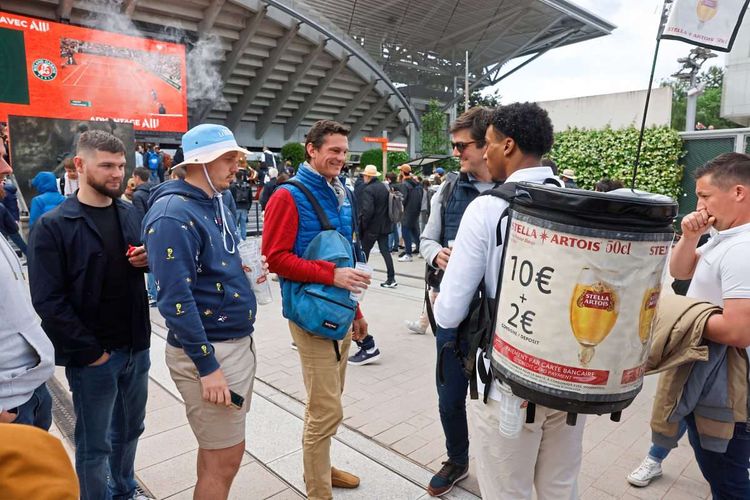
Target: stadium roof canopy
{"type": "Point", "coordinates": [287, 63]}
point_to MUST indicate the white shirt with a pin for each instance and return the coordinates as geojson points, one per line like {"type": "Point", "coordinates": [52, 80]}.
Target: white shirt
{"type": "Point", "coordinates": [476, 255]}
{"type": "Point", "coordinates": [70, 187]}
{"type": "Point", "coordinates": [723, 269]}
{"type": "Point", "coordinates": [27, 359]}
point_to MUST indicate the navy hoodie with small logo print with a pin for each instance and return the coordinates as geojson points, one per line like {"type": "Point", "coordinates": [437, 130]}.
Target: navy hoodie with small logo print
{"type": "Point", "coordinates": [202, 292]}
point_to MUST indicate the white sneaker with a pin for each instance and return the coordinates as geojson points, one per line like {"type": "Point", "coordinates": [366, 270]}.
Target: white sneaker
{"type": "Point", "coordinates": [405, 258]}
{"type": "Point", "coordinates": [649, 470]}
{"type": "Point", "coordinates": [415, 327]}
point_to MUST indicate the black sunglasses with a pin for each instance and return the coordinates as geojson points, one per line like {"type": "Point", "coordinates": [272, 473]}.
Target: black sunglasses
{"type": "Point", "coordinates": [461, 146]}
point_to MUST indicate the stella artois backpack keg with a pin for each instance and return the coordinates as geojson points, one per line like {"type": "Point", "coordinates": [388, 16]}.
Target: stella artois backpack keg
{"type": "Point", "coordinates": [579, 284]}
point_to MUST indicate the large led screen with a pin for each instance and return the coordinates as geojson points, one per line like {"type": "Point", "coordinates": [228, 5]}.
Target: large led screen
{"type": "Point", "coordinates": [54, 70]}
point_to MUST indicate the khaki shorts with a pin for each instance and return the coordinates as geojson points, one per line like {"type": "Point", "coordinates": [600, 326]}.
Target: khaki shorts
{"type": "Point", "coordinates": [216, 426]}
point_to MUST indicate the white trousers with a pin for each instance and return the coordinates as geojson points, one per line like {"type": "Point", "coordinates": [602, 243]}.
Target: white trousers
{"type": "Point", "coordinates": [546, 455]}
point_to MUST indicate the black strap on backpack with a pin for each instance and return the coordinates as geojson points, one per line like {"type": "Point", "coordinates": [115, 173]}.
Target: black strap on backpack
{"type": "Point", "coordinates": [433, 276]}
{"type": "Point", "coordinates": [477, 328]}
{"type": "Point", "coordinates": [325, 224]}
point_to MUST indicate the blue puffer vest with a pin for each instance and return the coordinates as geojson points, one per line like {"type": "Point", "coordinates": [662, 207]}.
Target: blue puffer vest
{"type": "Point", "coordinates": [309, 226]}
{"type": "Point", "coordinates": [463, 193]}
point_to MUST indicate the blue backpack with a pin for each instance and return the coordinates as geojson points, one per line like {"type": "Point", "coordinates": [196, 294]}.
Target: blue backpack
{"type": "Point", "coordinates": [153, 160]}
{"type": "Point", "coordinates": [323, 310]}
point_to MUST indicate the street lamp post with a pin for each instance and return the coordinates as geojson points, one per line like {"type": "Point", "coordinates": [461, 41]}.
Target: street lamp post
{"type": "Point", "coordinates": [691, 65]}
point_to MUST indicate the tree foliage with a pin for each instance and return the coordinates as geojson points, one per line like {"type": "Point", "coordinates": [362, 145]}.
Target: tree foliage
{"type": "Point", "coordinates": [375, 157]}
{"type": "Point", "coordinates": [294, 152]}
{"type": "Point", "coordinates": [595, 154]}
{"type": "Point", "coordinates": [478, 98]}
{"type": "Point", "coordinates": [434, 129]}
{"type": "Point", "coordinates": [708, 110]}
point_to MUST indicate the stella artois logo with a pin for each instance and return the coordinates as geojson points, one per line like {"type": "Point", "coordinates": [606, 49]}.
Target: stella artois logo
{"type": "Point", "coordinates": [44, 69]}
{"type": "Point", "coordinates": [596, 300]}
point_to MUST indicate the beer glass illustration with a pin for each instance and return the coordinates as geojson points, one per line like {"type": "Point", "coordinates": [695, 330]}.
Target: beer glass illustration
{"type": "Point", "coordinates": [706, 10]}
{"type": "Point", "coordinates": [647, 313]}
{"type": "Point", "coordinates": [594, 307]}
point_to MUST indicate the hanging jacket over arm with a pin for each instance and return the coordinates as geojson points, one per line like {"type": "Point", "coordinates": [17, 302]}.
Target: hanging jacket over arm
{"type": "Point", "coordinates": [698, 376]}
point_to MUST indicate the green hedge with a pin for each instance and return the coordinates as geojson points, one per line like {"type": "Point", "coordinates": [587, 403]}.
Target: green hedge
{"type": "Point", "coordinates": [294, 152]}
{"type": "Point", "coordinates": [595, 154]}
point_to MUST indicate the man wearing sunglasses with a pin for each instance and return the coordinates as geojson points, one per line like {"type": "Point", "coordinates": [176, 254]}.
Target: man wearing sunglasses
{"type": "Point", "coordinates": [447, 209]}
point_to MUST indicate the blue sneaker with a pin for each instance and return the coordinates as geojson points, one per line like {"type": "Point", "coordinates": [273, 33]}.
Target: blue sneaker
{"type": "Point", "coordinates": [446, 478]}
{"type": "Point", "coordinates": [364, 358]}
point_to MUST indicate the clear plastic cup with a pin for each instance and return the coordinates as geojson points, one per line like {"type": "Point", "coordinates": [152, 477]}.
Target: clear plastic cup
{"type": "Point", "coordinates": [253, 266]}
{"type": "Point", "coordinates": [358, 296]}
{"type": "Point", "coordinates": [511, 417]}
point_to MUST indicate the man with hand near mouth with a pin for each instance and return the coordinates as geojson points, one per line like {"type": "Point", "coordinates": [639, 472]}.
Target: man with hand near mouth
{"type": "Point", "coordinates": [720, 273]}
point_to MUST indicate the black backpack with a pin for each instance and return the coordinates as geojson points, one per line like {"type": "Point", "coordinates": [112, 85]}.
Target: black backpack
{"type": "Point", "coordinates": [242, 194]}
{"type": "Point", "coordinates": [395, 205]}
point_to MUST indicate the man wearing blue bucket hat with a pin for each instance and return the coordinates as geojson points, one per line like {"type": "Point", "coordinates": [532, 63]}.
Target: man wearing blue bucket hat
{"type": "Point", "coordinates": [207, 302]}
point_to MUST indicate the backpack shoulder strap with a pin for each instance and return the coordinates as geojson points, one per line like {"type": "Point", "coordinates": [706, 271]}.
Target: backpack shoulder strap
{"type": "Point", "coordinates": [324, 222]}
{"type": "Point", "coordinates": [505, 192]}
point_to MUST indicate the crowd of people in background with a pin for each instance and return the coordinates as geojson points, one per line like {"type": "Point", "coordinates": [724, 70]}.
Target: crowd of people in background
{"type": "Point", "coordinates": [170, 234]}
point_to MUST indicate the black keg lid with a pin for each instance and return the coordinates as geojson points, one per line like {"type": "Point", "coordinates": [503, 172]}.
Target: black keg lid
{"type": "Point", "coordinates": [627, 206]}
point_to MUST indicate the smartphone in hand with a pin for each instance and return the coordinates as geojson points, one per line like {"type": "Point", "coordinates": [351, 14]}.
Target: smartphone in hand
{"type": "Point", "coordinates": [237, 400]}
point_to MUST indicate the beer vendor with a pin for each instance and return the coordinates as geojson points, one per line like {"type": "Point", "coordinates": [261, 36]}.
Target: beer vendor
{"type": "Point", "coordinates": [547, 454]}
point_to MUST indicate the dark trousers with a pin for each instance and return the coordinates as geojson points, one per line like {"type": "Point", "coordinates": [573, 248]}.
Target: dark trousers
{"type": "Point", "coordinates": [18, 240]}
{"type": "Point", "coordinates": [110, 407]}
{"type": "Point", "coordinates": [393, 238]}
{"type": "Point", "coordinates": [368, 241]}
{"type": "Point", "coordinates": [726, 473]}
{"type": "Point", "coordinates": [37, 411]}
{"type": "Point", "coordinates": [452, 399]}
{"type": "Point", "coordinates": [410, 232]}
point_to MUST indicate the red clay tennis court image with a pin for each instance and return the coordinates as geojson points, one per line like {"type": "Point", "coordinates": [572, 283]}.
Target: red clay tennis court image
{"type": "Point", "coordinates": [85, 74]}
{"type": "Point", "coordinates": [112, 84]}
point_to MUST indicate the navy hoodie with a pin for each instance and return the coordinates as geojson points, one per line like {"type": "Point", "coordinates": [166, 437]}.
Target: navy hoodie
{"type": "Point", "coordinates": [202, 292]}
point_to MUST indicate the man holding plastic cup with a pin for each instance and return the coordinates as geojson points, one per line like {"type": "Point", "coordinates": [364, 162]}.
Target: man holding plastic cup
{"type": "Point", "coordinates": [290, 225]}
{"type": "Point", "coordinates": [207, 302]}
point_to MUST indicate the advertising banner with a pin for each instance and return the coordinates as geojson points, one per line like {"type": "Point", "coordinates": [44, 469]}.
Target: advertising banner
{"type": "Point", "coordinates": [576, 307]}
{"type": "Point", "coordinates": [54, 70]}
{"type": "Point", "coordinates": [708, 23]}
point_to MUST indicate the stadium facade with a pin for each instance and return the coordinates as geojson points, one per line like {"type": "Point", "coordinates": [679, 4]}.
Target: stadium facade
{"type": "Point", "coordinates": [268, 69]}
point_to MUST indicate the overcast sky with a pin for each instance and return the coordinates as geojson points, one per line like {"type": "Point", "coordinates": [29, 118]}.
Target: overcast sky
{"type": "Point", "coordinates": [615, 63]}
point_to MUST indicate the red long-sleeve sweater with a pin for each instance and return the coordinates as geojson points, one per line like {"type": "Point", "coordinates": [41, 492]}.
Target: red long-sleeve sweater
{"type": "Point", "coordinates": [280, 224]}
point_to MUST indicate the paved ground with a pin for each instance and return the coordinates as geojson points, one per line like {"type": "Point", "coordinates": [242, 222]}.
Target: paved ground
{"type": "Point", "coordinates": [391, 436]}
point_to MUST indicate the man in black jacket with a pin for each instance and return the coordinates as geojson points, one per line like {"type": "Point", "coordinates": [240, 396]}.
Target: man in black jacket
{"type": "Point", "coordinates": [374, 223]}
{"type": "Point", "coordinates": [86, 268]}
{"type": "Point", "coordinates": [412, 207]}
{"type": "Point", "coordinates": [142, 190]}
{"type": "Point", "coordinates": [141, 194]}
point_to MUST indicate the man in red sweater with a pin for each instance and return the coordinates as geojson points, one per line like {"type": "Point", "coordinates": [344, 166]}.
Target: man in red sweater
{"type": "Point", "coordinates": [290, 224]}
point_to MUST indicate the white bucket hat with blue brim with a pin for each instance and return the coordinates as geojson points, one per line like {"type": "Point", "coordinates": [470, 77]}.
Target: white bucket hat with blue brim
{"type": "Point", "coordinates": [205, 143]}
